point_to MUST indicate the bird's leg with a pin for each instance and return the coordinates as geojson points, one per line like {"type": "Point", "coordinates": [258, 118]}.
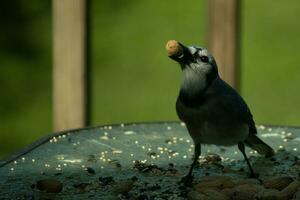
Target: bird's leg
{"type": "Point", "coordinates": [196, 157]}
{"type": "Point", "coordinates": [242, 149]}
{"type": "Point", "coordinates": [187, 180]}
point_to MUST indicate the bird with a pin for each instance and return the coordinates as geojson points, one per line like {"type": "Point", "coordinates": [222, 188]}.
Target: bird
{"type": "Point", "coordinates": [213, 112]}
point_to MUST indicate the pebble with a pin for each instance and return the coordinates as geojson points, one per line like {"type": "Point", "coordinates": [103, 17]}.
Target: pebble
{"type": "Point", "coordinates": [212, 157]}
{"type": "Point", "coordinates": [90, 170]}
{"type": "Point", "coordinates": [49, 185]}
{"type": "Point", "coordinates": [106, 180]}
{"type": "Point", "coordinates": [123, 187]}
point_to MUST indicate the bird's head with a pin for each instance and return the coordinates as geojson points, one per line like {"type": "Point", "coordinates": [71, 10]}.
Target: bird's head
{"type": "Point", "coordinates": [198, 65]}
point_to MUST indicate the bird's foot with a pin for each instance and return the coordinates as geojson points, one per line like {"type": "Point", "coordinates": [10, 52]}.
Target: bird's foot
{"type": "Point", "coordinates": [255, 176]}
{"type": "Point", "coordinates": [187, 180]}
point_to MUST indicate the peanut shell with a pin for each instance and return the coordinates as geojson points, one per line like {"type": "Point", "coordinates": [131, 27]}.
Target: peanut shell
{"type": "Point", "coordinates": [278, 183]}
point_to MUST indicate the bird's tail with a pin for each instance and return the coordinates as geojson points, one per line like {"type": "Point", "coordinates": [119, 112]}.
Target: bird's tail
{"type": "Point", "coordinates": [260, 146]}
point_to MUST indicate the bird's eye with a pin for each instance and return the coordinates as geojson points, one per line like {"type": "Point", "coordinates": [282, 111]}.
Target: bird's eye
{"type": "Point", "coordinates": [204, 59]}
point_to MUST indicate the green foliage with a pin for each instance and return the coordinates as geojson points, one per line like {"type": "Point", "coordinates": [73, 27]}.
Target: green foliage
{"type": "Point", "coordinates": [270, 61]}
{"type": "Point", "coordinates": [25, 73]}
{"type": "Point", "coordinates": [132, 79]}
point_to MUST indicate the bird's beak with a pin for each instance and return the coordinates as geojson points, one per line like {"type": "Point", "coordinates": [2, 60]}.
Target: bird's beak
{"type": "Point", "coordinates": [179, 53]}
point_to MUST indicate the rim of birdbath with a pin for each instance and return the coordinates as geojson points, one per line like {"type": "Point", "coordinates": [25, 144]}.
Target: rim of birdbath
{"type": "Point", "coordinates": [10, 158]}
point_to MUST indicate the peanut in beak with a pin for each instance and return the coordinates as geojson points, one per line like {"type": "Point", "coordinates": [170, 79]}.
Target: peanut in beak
{"type": "Point", "coordinates": [174, 49]}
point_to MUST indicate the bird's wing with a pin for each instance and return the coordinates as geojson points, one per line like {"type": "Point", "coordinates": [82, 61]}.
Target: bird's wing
{"type": "Point", "coordinates": [240, 104]}
{"type": "Point", "coordinates": [251, 124]}
{"type": "Point", "coordinates": [245, 115]}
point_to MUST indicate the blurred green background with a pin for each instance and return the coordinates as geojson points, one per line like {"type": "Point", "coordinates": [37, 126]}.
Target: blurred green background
{"type": "Point", "coordinates": [132, 78]}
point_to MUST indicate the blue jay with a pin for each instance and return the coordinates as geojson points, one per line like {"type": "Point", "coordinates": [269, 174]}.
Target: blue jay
{"type": "Point", "coordinates": [214, 113]}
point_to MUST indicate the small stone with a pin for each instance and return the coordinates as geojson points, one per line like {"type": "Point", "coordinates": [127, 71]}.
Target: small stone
{"type": "Point", "coordinates": [212, 157]}
{"type": "Point", "coordinates": [123, 187]}
{"type": "Point", "coordinates": [49, 185]}
{"type": "Point", "coordinates": [81, 187]}
{"type": "Point", "coordinates": [106, 180]}
{"type": "Point", "coordinates": [90, 170]}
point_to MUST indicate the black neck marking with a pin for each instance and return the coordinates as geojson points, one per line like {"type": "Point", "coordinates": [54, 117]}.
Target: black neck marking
{"type": "Point", "coordinates": [191, 100]}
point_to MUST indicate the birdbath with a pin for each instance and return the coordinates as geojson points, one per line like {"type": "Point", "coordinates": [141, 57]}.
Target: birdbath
{"type": "Point", "coordinates": [137, 161]}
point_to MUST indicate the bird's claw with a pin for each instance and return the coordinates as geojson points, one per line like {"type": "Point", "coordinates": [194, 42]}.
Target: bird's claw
{"type": "Point", "coordinates": [187, 180]}
{"type": "Point", "coordinates": [255, 176]}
